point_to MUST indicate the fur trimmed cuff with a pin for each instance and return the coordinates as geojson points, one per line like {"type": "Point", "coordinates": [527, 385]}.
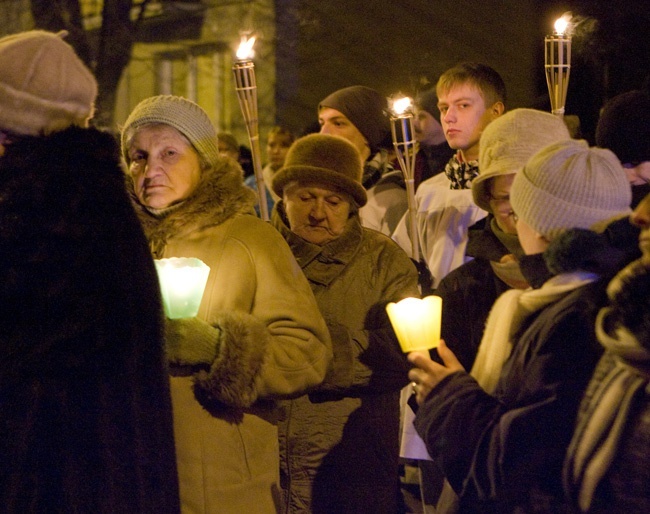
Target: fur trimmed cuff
{"type": "Point", "coordinates": [231, 377]}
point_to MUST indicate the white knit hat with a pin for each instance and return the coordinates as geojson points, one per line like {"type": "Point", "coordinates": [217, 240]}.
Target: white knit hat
{"type": "Point", "coordinates": [570, 185]}
{"type": "Point", "coordinates": [180, 113]}
{"type": "Point", "coordinates": [44, 86]}
{"type": "Point", "coordinates": [508, 142]}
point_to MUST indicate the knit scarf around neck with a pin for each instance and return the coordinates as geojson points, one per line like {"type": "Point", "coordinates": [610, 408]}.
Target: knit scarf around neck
{"type": "Point", "coordinates": [508, 314]}
{"type": "Point", "coordinates": [601, 427]}
{"type": "Point", "coordinates": [461, 173]}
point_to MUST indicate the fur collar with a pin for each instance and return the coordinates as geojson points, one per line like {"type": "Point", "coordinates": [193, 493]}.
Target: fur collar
{"type": "Point", "coordinates": [220, 195]}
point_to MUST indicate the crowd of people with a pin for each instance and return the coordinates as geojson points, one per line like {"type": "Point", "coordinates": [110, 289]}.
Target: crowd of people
{"type": "Point", "coordinates": [286, 392]}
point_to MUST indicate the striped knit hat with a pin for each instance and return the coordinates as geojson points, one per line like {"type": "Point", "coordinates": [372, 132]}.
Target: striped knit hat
{"type": "Point", "coordinates": [177, 112]}
{"type": "Point", "coordinates": [570, 185]}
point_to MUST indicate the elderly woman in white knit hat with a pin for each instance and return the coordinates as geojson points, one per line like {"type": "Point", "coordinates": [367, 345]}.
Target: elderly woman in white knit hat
{"type": "Point", "coordinates": [339, 444]}
{"type": "Point", "coordinates": [85, 413]}
{"type": "Point", "coordinates": [518, 408]}
{"type": "Point", "coordinates": [258, 335]}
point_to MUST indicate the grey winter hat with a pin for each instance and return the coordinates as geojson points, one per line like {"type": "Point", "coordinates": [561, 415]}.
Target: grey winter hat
{"type": "Point", "coordinates": [508, 142]}
{"type": "Point", "coordinates": [570, 185]}
{"type": "Point", "coordinates": [323, 159]}
{"type": "Point", "coordinates": [428, 101]}
{"type": "Point", "coordinates": [365, 108]}
{"type": "Point", "coordinates": [180, 113]}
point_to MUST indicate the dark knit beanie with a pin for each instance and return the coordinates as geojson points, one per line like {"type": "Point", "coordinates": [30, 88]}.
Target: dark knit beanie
{"type": "Point", "coordinates": [323, 159]}
{"type": "Point", "coordinates": [624, 128]}
{"type": "Point", "coordinates": [365, 108]}
{"type": "Point", "coordinates": [428, 101]}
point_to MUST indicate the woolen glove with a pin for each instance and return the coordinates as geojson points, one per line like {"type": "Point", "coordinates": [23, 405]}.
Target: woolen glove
{"type": "Point", "coordinates": [191, 341]}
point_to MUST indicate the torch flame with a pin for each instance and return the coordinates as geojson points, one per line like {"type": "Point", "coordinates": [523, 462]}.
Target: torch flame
{"type": "Point", "coordinates": [245, 50]}
{"type": "Point", "coordinates": [562, 24]}
{"type": "Point", "coordinates": [401, 105]}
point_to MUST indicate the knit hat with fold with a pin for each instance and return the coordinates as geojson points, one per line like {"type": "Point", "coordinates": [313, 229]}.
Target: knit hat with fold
{"type": "Point", "coordinates": [44, 86]}
{"type": "Point", "coordinates": [183, 115]}
{"type": "Point", "coordinates": [323, 159]}
{"type": "Point", "coordinates": [570, 185]}
{"type": "Point", "coordinates": [508, 142]}
{"type": "Point", "coordinates": [365, 108]}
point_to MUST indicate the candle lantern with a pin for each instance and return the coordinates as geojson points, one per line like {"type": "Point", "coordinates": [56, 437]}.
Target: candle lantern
{"type": "Point", "coordinates": [246, 88]}
{"type": "Point", "coordinates": [401, 125]}
{"type": "Point", "coordinates": [182, 282]}
{"type": "Point", "coordinates": [416, 322]}
{"type": "Point", "coordinates": [557, 63]}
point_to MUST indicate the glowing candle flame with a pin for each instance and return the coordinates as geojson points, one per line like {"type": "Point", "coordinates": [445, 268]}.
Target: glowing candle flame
{"type": "Point", "coordinates": [245, 50]}
{"type": "Point", "coordinates": [401, 105]}
{"type": "Point", "coordinates": [562, 24]}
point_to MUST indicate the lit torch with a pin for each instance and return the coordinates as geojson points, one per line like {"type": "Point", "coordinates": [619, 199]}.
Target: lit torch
{"type": "Point", "coordinates": [557, 63]}
{"type": "Point", "coordinates": [401, 126]}
{"type": "Point", "coordinates": [246, 87]}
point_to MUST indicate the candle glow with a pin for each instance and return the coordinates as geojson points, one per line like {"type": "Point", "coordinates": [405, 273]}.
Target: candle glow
{"type": "Point", "coordinates": [416, 322]}
{"type": "Point", "coordinates": [182, 282]}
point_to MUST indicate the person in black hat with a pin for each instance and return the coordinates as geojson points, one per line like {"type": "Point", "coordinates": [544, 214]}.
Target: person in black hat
{"type": "Point", "coordinates": [358, 114]}
{"type": "Point", "coordinates": [624, 128]}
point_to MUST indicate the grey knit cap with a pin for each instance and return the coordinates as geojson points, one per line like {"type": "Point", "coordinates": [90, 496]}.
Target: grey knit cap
{"type": "Point", "coordinates": [570, 185]}
{"type": "Point", "coordinates": [44, 85]}
{"type": "Point", "coordinates": [180, 113]}
{"type": "Point", "coordinates": [323, 159]}
{"type": "Point", "coordinates": [508, 142]}
{"type": "Point", "coordinates": [365, 108]}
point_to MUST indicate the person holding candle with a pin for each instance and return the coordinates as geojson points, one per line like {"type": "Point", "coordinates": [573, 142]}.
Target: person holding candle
{"type": "Point", "coordinates": [85, 410]}
{"type": "Point", "coordinates": [517, 412]}
{"type": "Point", "coordinates": [258, 336]}
{"type": "Point", "coordinates": [470, 96]}
{"type": "Point", "coordinates": [358, 114]}
{"type": "Point", "coordinates": [339, 443]}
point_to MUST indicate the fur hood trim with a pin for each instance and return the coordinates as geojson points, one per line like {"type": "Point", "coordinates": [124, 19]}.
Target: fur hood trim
{"type": "Point", "coordinates": [232, 376]}
{"type": "Point", "coordinates": [220, 195]}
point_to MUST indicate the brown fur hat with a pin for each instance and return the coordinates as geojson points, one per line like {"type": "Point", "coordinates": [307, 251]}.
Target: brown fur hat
{"type": "Point", "coordinates": [323, 159]}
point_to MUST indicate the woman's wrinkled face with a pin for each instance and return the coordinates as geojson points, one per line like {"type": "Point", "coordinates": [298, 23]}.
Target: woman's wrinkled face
{"type": "Point", "coordinates": [164, 165]}
{"type": "Point", "coordinates": [316, 214]}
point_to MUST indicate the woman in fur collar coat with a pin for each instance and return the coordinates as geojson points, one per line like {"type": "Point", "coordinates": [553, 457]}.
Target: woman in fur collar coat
{"type": "Point", "coordinates": [258, 334]}
{"type": "Point", "coordinates": [85, 410]}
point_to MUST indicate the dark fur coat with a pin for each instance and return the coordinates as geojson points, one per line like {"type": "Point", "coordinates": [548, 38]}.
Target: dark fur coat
{"type": "Point", "coordinates": [85, 415]}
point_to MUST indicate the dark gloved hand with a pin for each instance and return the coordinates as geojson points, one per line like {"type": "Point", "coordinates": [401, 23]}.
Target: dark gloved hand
{"type": "Point", "coordinates": [191, 341]}
{"type": "Point", "coordinates": [425, 279]}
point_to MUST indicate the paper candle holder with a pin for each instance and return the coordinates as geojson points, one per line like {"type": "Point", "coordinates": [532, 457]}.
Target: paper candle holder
{"type": "Point", "coordinates": [416, 322]}
{"type": "Point", "coordinates": [182, 283]}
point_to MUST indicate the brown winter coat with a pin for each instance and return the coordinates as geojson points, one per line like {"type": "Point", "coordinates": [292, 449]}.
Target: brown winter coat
{"type": "Point", "coordinates": [274, 344]}
{"type": "Point", "coordinates": [339, 445]}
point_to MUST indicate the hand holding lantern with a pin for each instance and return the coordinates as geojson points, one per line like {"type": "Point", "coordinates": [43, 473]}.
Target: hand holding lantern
{"type": "Point", "coordinates": [416, 322]}
{"type": "Point", "coordinates": [182, 282]}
